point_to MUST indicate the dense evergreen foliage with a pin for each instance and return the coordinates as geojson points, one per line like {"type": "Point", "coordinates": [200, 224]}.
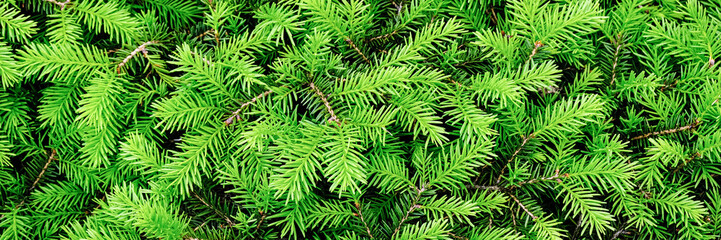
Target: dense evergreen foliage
{"type": "Point", "coordinates": [360, 119]}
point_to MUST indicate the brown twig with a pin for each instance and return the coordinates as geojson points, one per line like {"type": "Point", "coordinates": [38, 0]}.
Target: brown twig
{"type": "Point", "coordinates": [616, 42]}
{"type": "Point", "coordinates": [214, 209]}
{"type": "Point", "coordinates": [236, 113]}
{"type": "Point", "coordinates": [201, 225]}
{"type": "Point", "coordinates": [413, 207]}
{"type": "Point", "coordinates": [360, 214]}
{"type": "Point", "coordinates": [620, 231]}
{"type": "Point", "coordinates": [61, 4]}
{"type": "Point", "coordinates": [203, 58]}
{"type": "Point", "coordinates": [556, 176]}
{"type": "Point", "coordinates": [494, 188]}
{"type": "Point", "coordinates": [262, 217]}
{"type": "Point", "coordinates": [141, 48]}
{"type": "Point", "coordinates": [494, 18]}
{"type": "Point", "coordinates": [522, 206]}
{"type": "Point", "coordinates": [52, 157]}
{"type": "Point", "coordinates": [525, 140]}
{"type": "Point", "coordinates": [668, 131]}
{"type": "Point", "coordinates": [457, 237]}
{"type": "Point", "coordinates": [694, 156]}
{"type": "Point", "coordinates": [352, 45]}
{"type": "Point", "coordinates": [323, 98]}
{"type": "Point", "coordinates": [536, 46]}
{"type": "Point", "coordinates": [383, 36]}
{"type": "Point", "coordinates": [204, 33]}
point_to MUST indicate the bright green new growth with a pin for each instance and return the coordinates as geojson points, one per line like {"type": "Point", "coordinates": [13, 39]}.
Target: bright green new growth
{"type": "Point", "coordinates": [360, 119]}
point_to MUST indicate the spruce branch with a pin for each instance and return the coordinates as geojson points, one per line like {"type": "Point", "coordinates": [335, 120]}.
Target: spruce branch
{"type": "Point", "coordinates": [616, 42]}
{"type": "Point", "coordinates": [236, 114]}
{"type": "Point", "coordinates": [219, 213]}
{"type": "Point", "coordinates": [333, 117]}
{"type": "Point", "coordinates": [681, 165]}
{"type": "Point", "coordinates": [693, 125]}
{"type": "Point", "coordinates": [384, 36]}
{"type": "Point", "coordinates": [141, 48]}
{"type": "Point", "coordinates": [360, 215]}
{"type": "Point", "coordinates": [352, 45]}
{"type": "Point", "coordinates": [413, 207]}
{"type": "Point", "coordinates": [555, 177]}
{"type": "Point", "coordinates": [523, 143]}
{"type": "Point", "coordinates": [61, 4]}
{"type": "Point", "coordinates": [51, 158]}
{"type": "Point", "coordinates": [536, 46]}
{"type": "Point", "coordinates": [522, 206]}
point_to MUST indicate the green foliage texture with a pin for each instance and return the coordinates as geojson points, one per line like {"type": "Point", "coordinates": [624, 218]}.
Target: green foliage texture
{"type": "Point", "coordinates": [360, 119]}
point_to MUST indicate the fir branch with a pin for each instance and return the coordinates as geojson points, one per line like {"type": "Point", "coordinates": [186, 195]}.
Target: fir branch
{"type": "Point", "coordinates": [523, 143]}
{"type": "Point", "coordinates": [352, 45]}
{"type": "Point", "coordinates": [681, 165]}
{"type": "Point", "coordinates": [333, 117]}
{"type": "Point", "coordinates": [536, 46]}
{"type": "Point", "coordinates": [221, 214]}
{"type": "Point", "coordinates": [413, 207]}
{"type": "Point", "coordinates": [61, 4]}
{"type": "Point", "coordinates": [522, 206]}
{"type": "Point", "coordinates": [693, 125]}
{"type": "Point", "coordinates": [141, 48]}
{"type": "Point", "coordinates": [360, 215]}
{"type": "Point", "coordinates": [384, 36]}
{"type": "Point", "coordinates": [236, 114]}
{"type": "Point", "coordinates": [52, 157]}
{"type": "Point", "coordinates": [616, 53]}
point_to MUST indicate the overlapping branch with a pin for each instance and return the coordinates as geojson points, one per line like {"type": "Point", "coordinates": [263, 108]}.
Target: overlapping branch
{"type": "Point", "coordinates": [142, 48]}
{"type": "Point", "coordinates": [323, 98]}
{"type": "Point", "coordinates": [693, 125]}
{"type": "Point", "coordinates": [236, 114]}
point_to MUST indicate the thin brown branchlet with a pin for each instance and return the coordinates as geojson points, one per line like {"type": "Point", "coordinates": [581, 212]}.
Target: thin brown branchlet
{"type": "Point", "coordinates": [230, 223]}
{"type": "Point", "coordinates": [263, 215]}
{"type": "Point", "coordinates": [61, 4]}
{"type": "Point", "coordinates": [360, 215]}
{"type": "Point", "coordinates": [556, 177]}
{"type": "Point", "coordinates": [457, 237]}
{"type": "Point", "coordinates": [616, 42]}
{"type": "Point", "coordinates": [333, 117]}
{"type": "Point", "coordinates": [235, 116]}
{"type": "Point", "coordinates": [352, 45]}
{"type": "Point", "coordinates": [522, 206]}
{"type": "Point", "coordinates": [384, 36]}
{"type": "Point", "coordinates": [203, 58]}
{"type": "Point", "coordinates": [53, 157]}
{"type": "Point", "coordinates": [503, 170]}
{"type": "Point", "coordinates": [413, 207]}
{"type": "Point", "coordinates": [691, 126]}
{"type": "Point", "coordinates": [536, 46]}
{"type": "Point", "coordinates": [683, 164]}
{"type": "Point", "coordinates": [140, 49]}
{"type": "Point", "coordinates": [621, 230]}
